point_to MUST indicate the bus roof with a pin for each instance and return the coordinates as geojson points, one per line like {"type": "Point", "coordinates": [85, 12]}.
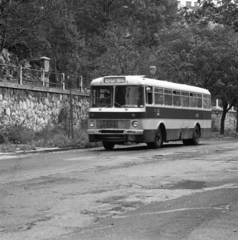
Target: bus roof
{"type": "Point", "coordinates": [142, 80]}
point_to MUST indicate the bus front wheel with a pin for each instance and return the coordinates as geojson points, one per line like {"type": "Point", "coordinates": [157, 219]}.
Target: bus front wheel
{"type": "Point", "coordinates": [108, 145]}
{"type": "Point", "coordinates": [158, 142]}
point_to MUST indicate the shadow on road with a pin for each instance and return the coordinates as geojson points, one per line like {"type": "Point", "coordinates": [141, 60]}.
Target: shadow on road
{"type": "Point", "coordinates": [140, 147]}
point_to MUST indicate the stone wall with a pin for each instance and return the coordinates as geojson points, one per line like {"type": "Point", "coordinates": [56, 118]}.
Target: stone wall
{"type": "Point", "coordinates": [38, 107]}
{"type": "Point", "coordinates": [230, 121]}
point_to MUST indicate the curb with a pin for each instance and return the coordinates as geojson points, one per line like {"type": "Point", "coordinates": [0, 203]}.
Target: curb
{"type": "Point", "coordinates": [43, 150]}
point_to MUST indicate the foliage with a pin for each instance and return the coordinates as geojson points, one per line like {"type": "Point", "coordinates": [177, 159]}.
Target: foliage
{"type": "Point", "coordinates": [223, 13]}
{"type": "Point", "coordinates": [78, 35]}
{"type": "Point", "coordinates": [16, 134]}
{"type": "Point", "coordinates": [199, 53]}
{"type": "Point", "coordinates": [48, 137]}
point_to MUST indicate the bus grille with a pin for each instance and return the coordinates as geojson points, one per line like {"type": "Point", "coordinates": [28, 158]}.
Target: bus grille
{"type": "Point", "coordinates": [122, 124]}
{"type": "Point", "coordinates": [111, 131]}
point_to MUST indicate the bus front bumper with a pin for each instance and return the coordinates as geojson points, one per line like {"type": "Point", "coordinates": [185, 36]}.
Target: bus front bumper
{"type": "Point", "coordinates": [116, 135]}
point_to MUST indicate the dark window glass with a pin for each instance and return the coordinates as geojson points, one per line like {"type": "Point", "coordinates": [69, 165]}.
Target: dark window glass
{"type": "Point", "coordinates": [192, 100]}
{"type": "Point", "coordinates": [159, 96]}
{"type": "Point", "coordinates": [199, 100]}
{"type": "Point", "coordinates": [206, 101]}
{"type": "Point", "coordinates": [176, 98]}
{"type": "Point", "coordinates": [149, 95]}
{"type": "Point", "coordinates": [168, 97]}
{"type": "Point", "coordinates": [129, 96]}
{"type": "Point", "coordinates": [102, 96]}
{"type": "Point", "coordinates": [185, 99]}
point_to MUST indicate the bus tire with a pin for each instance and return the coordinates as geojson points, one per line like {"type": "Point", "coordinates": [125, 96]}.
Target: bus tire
{"type": "Point", "coordinates": [108, 145]}
{"type": "Point", "coordinates": [196, 137]}
{"type": "Point", "coordinates": [158, 142]}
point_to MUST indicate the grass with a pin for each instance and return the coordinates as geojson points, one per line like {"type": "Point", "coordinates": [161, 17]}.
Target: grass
{"type": "Point", "coordinates": [13, 138]}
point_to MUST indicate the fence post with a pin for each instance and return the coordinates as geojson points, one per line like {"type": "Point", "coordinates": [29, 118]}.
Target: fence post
{"type": "Point", "coordinates": [81, 83]}
{"type": "Point", "coordinates": [63, 80]}
{"type": "Point", "coordinates": [20, 75]}
{"type": "Point", "coordinates": [43, 77]}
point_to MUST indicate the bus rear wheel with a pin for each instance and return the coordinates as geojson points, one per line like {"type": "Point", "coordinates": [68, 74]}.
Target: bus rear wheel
{"type": "Point", "coordinates": [196, 137]}
{"type": "Point", "coordinates": [158, 142]}
{"type": "Point", "coordinates": [108, 145]}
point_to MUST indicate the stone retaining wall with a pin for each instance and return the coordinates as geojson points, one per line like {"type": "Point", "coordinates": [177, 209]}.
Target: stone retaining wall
{"type": "Point", "coordinates": [37, 107]}
{"type": "Point", "coordinates": [230, 122]}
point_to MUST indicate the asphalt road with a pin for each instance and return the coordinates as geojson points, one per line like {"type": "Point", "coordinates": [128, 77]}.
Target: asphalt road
{"type": "Point", "coordinates": [176, 192]}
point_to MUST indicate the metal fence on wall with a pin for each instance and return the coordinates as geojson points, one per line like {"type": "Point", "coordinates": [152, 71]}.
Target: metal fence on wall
{"type": "Point", "coordinates": [29, 76]}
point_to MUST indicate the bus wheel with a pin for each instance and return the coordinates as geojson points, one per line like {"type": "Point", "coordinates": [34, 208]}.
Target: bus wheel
{"type": "Point", "coordinates": [108, 145]}
{"type": "Point", "coordinates": [158, 140]}
{"type": "Point", "coordinates": [195, 139]}
{"type": "Point", "coordinates": [196, 136]}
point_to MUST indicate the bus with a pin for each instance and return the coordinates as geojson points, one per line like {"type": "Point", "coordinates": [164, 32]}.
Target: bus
{"type": "Point", "coordinates": [136, 109]}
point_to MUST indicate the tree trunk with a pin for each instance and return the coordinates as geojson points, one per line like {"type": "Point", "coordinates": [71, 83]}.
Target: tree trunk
{"type": "Point", "coordinates": [223, 118]}
{"type": "Point", "coordinates": [237, 119]}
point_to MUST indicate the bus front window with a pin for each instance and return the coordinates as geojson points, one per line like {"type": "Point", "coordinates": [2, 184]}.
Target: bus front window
{"type": "Point", "coordinates": [102, 96]}
{"type": "Point", "coordinates": [129, 96]}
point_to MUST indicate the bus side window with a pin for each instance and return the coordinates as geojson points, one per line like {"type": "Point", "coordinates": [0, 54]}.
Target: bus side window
{"type": "Point", "coordinates": [185, 99]}
{"type": "Point", "coordinates": [159, 96]}
{"type": "Point", "coordinates": [206, 101]}
{"type": "Point", "coordinates": [192, 100]}
{"type": "Point", "coordinates": [149, 95]}
{"type": "Point", "coordinates": [168, 97]}
{"type": "Point", "coordinates": [199, 100]}
{"type": "Point", "coordinates": [176, 98]}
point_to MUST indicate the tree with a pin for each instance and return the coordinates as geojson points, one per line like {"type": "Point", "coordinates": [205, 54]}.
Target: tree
{"type": "Point", "coordinates": [202, 56]}
{"type": "Point", "coordinates": [122, 41]}
{"type": "Point", "coordinates": [19, 24]}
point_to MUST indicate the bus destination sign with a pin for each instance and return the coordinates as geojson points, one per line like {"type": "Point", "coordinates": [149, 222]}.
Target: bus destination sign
{"type": "Point", "coordinates": [114, 80]}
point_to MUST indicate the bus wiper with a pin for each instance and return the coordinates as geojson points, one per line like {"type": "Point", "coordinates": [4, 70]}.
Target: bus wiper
{"type": "Point", "coordinates": [106, 106]}
{"type": "Point", "coordinates": [119, 104]}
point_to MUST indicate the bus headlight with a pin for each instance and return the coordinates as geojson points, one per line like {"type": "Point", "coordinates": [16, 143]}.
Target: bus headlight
{"type": "Point", "coordinates": [134, 124]}
{"type": "Point", "coordinates": [91, 124]}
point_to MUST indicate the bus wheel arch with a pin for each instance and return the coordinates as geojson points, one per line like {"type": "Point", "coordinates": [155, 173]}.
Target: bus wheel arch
{"type": "Point", "coordinates": [163, 131]}
{"type": "Point", "coordinates": [160, 137]}
{"type": "Point", "coordinates": [196, 136]}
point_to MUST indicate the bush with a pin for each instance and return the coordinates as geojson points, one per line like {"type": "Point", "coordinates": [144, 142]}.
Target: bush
{"type": "Point", "coordinates": [16, 134]}
{"type": "Point", "coordinates": [59, 137]}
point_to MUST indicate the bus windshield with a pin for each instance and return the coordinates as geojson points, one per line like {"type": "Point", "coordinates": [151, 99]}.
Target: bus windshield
{"type": "Point", "coordinates": [102, 96]}
{"type": "Point", "coordinates": [125, 96]}
{"type": "Point", "coordinates": [129, 96]}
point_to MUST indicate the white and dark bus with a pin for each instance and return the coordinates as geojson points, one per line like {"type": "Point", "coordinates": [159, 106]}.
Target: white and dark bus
{"type": "Point", "coordinates": [142, 110]}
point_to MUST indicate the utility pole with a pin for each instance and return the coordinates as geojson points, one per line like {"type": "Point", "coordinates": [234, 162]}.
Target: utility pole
{"type": "Point", "coordinates": [71, 121]}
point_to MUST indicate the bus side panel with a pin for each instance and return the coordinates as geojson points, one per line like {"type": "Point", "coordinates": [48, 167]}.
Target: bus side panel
{"type": "Point", "coordinates": [173, 134]}
{"type": "Point", "coordinates": [187, 133]}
